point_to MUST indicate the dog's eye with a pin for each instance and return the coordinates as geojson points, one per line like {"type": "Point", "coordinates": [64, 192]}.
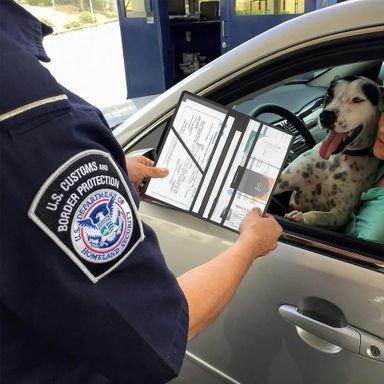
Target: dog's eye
{"type": "Point", "coordinates": [357, 100]}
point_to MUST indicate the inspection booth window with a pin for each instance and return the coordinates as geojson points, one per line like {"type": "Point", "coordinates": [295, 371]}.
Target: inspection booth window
{"type": "Point", "coordinates": [137, 8]}
{"type": "Point", "coordinates": [269, 7]}
{"type": "Point", "coordinates": [184, 7]}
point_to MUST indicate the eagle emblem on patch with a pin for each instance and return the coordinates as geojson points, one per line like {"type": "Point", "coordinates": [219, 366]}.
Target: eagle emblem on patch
{"type": "Point", "coordinates": [102, 226]}
{"type": "Point", "coordinates": [87, 209]}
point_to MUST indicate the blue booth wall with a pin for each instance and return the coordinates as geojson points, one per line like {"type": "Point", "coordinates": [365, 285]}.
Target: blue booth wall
{"type": "Point", "coordinates": [156, 44]}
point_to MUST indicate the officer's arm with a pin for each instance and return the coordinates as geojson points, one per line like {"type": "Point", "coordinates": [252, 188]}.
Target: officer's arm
{"type": "Point", "coordinates": [209, 287]}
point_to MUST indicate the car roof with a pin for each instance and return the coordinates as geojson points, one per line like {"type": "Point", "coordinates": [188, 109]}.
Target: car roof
{"type": "Point", "coordinates": [300, 31]}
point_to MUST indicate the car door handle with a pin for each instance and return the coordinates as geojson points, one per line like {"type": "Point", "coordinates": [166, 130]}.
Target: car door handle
{"type": "Point", "coordinates": [332, 339]}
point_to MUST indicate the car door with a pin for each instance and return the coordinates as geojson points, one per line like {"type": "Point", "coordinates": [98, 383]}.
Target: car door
{"type": "Point", "coordinates": [312, 311]}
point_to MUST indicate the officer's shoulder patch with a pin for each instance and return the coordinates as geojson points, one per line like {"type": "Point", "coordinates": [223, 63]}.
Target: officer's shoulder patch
{"type": "Point", "coordinates": [86, 207]}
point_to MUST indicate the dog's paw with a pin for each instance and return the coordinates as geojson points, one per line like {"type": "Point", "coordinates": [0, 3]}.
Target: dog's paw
{"type": "Point", "coordinates": [296, 216]}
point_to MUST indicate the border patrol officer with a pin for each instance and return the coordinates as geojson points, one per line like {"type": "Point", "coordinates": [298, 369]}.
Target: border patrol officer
{"type": "Point", "coordinates": [86, 294]}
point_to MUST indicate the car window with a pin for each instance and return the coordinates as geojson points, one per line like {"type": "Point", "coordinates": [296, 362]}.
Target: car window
{"type": "Point", "coordinates": [307, 76]}
{"type": "Point", "coordinates": [302, 94]}
{"type": "Point", "coordinates": [301, 98]}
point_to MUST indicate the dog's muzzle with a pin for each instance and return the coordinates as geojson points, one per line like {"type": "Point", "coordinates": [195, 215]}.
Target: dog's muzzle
{"type": "Point", "coordinates": [328, 119]}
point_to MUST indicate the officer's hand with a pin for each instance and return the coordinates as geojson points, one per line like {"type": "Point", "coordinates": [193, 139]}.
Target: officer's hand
{"type": "Point", "coordinates": [140, 168]}
{"type": "Point", "coordinates": [259, 234]}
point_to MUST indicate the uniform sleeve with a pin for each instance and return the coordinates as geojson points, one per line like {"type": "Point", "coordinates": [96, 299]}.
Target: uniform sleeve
{"type": "Point", "coordinates": [81, 271]}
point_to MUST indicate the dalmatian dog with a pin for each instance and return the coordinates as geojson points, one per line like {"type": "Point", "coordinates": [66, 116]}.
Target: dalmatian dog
{"type": "Point", "coordinates": [327, 180]}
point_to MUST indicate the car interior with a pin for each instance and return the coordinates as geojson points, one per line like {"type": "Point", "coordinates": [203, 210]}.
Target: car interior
{"type": "Point", "coordinates": [290, 95]}
{"type": "Point", "coordinates": [299, 116]}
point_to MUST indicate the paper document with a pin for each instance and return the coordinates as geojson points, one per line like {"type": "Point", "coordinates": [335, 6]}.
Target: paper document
{"type": "Point", "coordinates": [222, 163]}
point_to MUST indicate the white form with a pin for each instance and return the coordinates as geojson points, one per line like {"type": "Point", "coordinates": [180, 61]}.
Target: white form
{"type": "Point", "coordinates": [197, 128]}
{"type": "Point", "coordinates": [212, 166]}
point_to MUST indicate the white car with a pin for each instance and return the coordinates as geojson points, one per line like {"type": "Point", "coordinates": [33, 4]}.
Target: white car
{"type": "Point", "coordinates": [312, 311]}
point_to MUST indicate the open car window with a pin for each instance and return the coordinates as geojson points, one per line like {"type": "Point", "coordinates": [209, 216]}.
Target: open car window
{"type": "Point", "coordinates": [305, 99]}
{"type": "Point", "coordinates": [299, 84]}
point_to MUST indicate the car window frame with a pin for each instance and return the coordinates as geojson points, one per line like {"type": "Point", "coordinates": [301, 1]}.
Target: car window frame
{"type": "Point", "coordinates": [339, 51]}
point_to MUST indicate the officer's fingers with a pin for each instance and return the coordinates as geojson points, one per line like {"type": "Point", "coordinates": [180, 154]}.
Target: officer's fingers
{"type": "Point", "coordinates": [253, 214]}
{"type": "Point", "coordinates": [138, 159]}
{"type": "Point", "coordinates": [257, 210]}
{"type": "Point", "coordinates": [145, 161]}
{"type": "Point", "coordinates": [155, 172]}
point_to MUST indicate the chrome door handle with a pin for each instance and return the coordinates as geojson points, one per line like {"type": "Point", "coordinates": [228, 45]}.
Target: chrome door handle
{"type": "Point", "coordinates": [332, 339]}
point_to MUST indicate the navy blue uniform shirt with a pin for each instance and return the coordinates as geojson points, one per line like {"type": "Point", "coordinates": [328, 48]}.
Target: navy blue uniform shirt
{"type": "Point", "coordinates": [86, 296]}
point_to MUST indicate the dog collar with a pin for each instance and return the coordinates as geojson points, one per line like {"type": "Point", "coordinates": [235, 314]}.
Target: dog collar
{"type": "Point", "coordinates": [358, 152]}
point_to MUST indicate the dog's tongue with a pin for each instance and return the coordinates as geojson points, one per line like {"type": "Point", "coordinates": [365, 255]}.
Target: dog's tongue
{"type": "Point", "coordinates": [330, 144]}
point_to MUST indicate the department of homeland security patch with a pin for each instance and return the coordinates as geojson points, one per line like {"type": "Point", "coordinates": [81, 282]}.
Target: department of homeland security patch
{"type": "Point", "coordinates": [86, 207]}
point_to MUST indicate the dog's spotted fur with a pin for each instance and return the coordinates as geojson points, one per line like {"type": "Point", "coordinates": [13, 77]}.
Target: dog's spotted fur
{"type": "Point", "coordinates": [327, 181]}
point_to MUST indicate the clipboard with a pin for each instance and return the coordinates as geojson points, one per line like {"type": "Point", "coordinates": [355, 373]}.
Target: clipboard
{"type": "Point", "coordinates": [222, 163]}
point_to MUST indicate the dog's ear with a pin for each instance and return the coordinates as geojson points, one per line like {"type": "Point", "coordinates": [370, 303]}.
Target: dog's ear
{"type": "Point", "coordinates": [335, 80]}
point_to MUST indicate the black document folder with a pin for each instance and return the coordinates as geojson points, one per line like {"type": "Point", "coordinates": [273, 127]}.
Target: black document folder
{"type": "Point", "coordinates": [222, 163]}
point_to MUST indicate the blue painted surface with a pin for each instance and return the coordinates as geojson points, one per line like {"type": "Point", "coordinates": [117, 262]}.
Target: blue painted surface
{"type": "Point", "coordinates": [239, 28]}
{"type": "Point", "coordinates": [153, 47]}
{"type": "Point", "coordinates": [147, 51]}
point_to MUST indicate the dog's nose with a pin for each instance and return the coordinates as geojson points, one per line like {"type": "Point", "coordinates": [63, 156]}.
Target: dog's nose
{"type": "Point", "coordinates": [327, 118]}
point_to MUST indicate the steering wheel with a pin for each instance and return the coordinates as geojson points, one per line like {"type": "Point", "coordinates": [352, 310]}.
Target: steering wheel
{"type": "Point", "coordinates": [290, 117]}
